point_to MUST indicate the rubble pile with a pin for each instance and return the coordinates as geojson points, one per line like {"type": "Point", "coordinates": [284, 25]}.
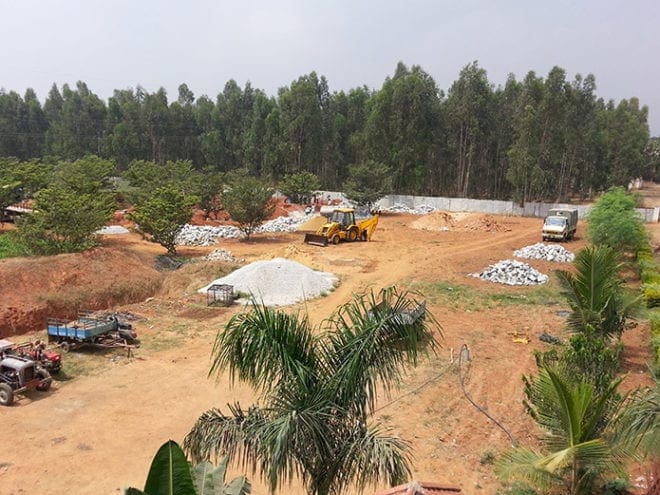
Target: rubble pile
{"type": "Point", "coordinates": [511, 272]}
{"type": "Point", "coordinates": [206, 235]}
{"type": "Point", "coordinates": [547, 252]}
{"type": "Point", "coordinates": [401, 208]}
{"type": "Point", "coordinates": [222, 255]}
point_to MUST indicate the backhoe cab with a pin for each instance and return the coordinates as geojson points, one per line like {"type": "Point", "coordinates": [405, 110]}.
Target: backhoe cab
{"type": "Point", "coordinates": [342, 227]}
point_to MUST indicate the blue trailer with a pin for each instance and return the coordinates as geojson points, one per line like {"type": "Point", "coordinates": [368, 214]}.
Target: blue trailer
{"type": "Point", "coordinates": [91, 330]}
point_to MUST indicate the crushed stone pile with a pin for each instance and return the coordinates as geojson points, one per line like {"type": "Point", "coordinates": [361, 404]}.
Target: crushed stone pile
{"type": "Point", "coordinates": [112, 230]}
{"type": "Point", "coordinates": [278, 282]}
{"type": "Point", "coordinates": [511, 272]}
{"type": "Point", "coordinates": [207, 235]}
{"type": "Point", "coordinates": [401, 208]}
{"type": "Point", "coordinates": [222, 255]}
{"type": "Point", "coordinates": [547, 252]}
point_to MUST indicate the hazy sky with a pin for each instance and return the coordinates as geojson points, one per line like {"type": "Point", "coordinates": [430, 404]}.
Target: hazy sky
{"type": "Point", "coordinates": [116, 44]}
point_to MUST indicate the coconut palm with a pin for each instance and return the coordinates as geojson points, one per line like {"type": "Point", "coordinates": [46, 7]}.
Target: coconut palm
{"type": "Point", "coordinates": [576, 428]}
{"type": "Point", "coordinates": [318, 391]}
{"type": "Point", "coordinates": [595, 292]}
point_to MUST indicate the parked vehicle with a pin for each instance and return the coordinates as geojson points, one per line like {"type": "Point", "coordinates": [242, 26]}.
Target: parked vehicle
{"type": "Point", "coordinates": [18, 374]}
{"type": "Point", "coordinates": [91, 330]}
{"type": "Point", "coordinates": [560, 224]}
{"type": "Point", "coordinates": [342, 226]}
{"type": "Point", "coordinates": [37, 351]}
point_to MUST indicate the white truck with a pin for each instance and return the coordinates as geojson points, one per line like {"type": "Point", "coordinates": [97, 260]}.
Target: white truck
{"type": "Point", "coordinates": [560, 224]}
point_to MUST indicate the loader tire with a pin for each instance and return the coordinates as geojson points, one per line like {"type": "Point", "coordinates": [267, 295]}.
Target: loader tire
{"type": "Point", "coordinates": [6, 395]}
{"type": "Point", "coordinates": [335, 239]}
{"type": "Point", "coordinates": [353, 235]}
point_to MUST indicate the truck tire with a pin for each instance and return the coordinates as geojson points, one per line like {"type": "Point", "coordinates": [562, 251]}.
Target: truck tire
{"type": "Point", "coordinates": [6, 395]}
{"type": "Point", "coordinates": [65, 346]}
{"type": "Point", "coordinates": [45, 378]}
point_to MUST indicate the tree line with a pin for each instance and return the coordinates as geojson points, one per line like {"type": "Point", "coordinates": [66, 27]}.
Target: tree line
{"type": "Point", "coordinates": [531, 139]}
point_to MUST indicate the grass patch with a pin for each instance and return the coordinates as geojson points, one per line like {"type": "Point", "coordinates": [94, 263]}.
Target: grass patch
{"type": "Point", "coordinates": [458, 296]}
{"type": "Point", "coordinates": [11, 246]}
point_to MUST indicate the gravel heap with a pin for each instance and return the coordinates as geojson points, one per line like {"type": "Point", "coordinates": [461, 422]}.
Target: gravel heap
{"type": "Point", "coordinates": [511, 272]}
{"type": "Point", "coordinates": [401, 208]}
{"type": "Point", "coordinates": [222, 255]}
{"type": "Point", "coordinates": [112, 229]}
{"type": "Point", "coordinates": [548, 252]}
{"type": "Point", "coordinates": [278, 282]}
{"type": "Point", "coordinates": [206, 235]}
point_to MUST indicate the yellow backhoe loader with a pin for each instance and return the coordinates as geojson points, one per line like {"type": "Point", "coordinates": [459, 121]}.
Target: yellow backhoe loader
{"type": "Point", "coordinates": [342, 227]}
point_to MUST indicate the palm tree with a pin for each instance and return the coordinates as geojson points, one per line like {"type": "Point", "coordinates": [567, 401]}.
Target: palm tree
{"type": "Point", "coordinates": [595, 292]}
{"type": "Point", "coordinates": [318, 392]}
{"type": "Point", "coordinates": [577, 426]}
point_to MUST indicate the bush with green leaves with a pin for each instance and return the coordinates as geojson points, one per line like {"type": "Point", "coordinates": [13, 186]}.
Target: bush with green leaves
{"type": "Point", "coordinates": [171, 474]}
{"type": "Point", "coordinates": [299, 185]}
{"type": "Point", "coordinates": [614, 222]}
{"type": "Point", "coordinates": [367, 182]}
{"type": "Point", "coordinates": [64, 220]}
{"type": "Point", "coordinates": [249, 201]}
{"type": "Point", "coordinates": [163, 215]}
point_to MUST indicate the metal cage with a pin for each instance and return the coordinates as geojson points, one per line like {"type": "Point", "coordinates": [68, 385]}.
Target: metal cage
{"type": "Point", "coordinates": [220, 295]}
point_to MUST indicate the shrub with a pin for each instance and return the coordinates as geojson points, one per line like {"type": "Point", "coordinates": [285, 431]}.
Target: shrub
{"type": "Point", "coordinates": [614, 222]}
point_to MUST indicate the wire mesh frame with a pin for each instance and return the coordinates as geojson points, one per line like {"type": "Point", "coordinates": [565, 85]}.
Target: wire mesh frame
{"type": "Point", "coordinates": [220, 295]}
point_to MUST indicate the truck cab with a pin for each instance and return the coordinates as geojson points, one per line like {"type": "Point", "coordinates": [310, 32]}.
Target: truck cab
{"type": "Point", "coordinates": [560, 224]}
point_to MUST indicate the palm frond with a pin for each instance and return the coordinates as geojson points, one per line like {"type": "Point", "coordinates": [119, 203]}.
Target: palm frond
{"type": "Point", "coordinates": [264, 346]}
{"type": "Point", "coordinates": [369, 457]}
{"type": "Point", "coordinates": [526, 465]}
{"type": "Point", "coordinates": [638, 426]}
{"type": "Point", "coordinates": [375, 339]}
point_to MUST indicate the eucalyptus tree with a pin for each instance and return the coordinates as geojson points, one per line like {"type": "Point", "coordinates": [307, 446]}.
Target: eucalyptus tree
{"type": "Point", "coordinates": [318, 392]}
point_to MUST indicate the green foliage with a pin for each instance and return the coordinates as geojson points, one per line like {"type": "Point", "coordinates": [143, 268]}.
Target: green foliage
{"type": "Point", "coordinates": [317, 391]}
{"type": "Point", "coordinates": [299, 185]}
{"type": "Point", "coordinates": [619, 486]}
{"type": "Point", "coordinates": [654, 323]}
{"type": "Point", "coordinates": [596, 294]}
{"type": "Point", "coordinates": [614, 222]}
{"type": "Point", "coordinates": [163, 215]}
{"type": "Point", "coordinates": [209, 189]}
{"type": "Point", "coordinates": [639, 425]}
{"type": "Point", "coordinates": [367, 182]}
{"type": "Point", "coordinates": [171, 474]}
{"type": "Point", "coordinates": [146, 176]}
{"type": "Point", "coordinates": [249, 201]}
{"type": "Point", "coordinates": [64, 220]}
{"type": "Point", "coordinates": [576, 424]}
{"type": "Point", "coordinates": [11, 245]}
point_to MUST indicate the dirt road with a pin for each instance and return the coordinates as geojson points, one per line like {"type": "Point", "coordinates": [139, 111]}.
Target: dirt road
{"type": "Point", "coordinates": [97, 433]}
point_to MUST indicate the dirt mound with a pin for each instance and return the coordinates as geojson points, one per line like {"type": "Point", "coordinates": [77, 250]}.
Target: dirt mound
{"type": "Point", "coordinates": [34, 289]}
{"type": "Point", "coordinates": [483, 223]}
{"type": "Point", "coordinates": [313, 224]}
{"type": "Point", "coordinates": [436, 220]}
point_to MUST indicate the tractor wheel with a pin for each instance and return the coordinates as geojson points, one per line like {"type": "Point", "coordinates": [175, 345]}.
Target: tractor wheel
{"type": "Point", "coordinates": [45, 378]}
{"type": "Point", "coordinates": [353, 235]}
{"type": "Point", "coordinates": [6, 395]}
{"type": "Point", "coordinates": [335, 239]}
{"type": "Point", "coordinates": [65, 346]}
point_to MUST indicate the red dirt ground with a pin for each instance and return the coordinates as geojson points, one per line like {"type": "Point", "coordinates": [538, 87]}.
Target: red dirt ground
{"type": "Point", "coordinates": [97, 431]}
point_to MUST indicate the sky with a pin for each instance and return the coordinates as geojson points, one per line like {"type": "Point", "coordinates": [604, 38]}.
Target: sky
{"type": "Point", "coordinates": [117, 44]}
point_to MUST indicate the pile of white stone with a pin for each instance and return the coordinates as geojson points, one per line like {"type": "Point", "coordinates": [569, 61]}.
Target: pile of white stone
{"type": "Point", "coordinates": [401, 208]}
{"type": "Point", "coordinates": [206, 235]}
{"type": "Point", "coordinates": [511, 272]}
{"type": "Point", "coordinates": [278, 282]}
{"type": "Point", "coordinates": [222, 255]}
{"type": "Point", "coordinates": [547, 252]}
{"type": "Point", "coordinates": [112, 230]}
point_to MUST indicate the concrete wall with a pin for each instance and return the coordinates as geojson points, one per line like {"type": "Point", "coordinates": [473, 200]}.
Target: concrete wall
{"type": "Point", "coordinates": [539, 210]}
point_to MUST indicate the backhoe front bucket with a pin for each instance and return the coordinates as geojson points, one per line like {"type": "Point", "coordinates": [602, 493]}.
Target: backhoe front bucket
{"type": "Point", "coordinates": [316, 240]}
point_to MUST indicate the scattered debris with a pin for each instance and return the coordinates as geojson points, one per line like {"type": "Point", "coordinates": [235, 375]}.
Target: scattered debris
{"type": "Point", "coordinates": [547, 252]}
{"type": "Point", "coordinates": [511, 272]}
{"type": "Point", "coordinates": [278, 282]}
{"type": "Point", "coordinates": [222, 255]}
{"type": "Point", "coordinates": [550, 339]}
{"type": "Point", "coordinates": [401, 208]}
{"type": "Point", "coordinates": [519, 338]}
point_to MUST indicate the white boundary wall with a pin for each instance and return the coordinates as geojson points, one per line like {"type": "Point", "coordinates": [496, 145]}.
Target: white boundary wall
{"type": "Point", "coordinates": [496, 207]}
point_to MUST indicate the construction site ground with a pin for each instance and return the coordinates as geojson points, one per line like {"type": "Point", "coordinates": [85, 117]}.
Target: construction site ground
{"type": "Point", "coordinates": [97, 429]}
